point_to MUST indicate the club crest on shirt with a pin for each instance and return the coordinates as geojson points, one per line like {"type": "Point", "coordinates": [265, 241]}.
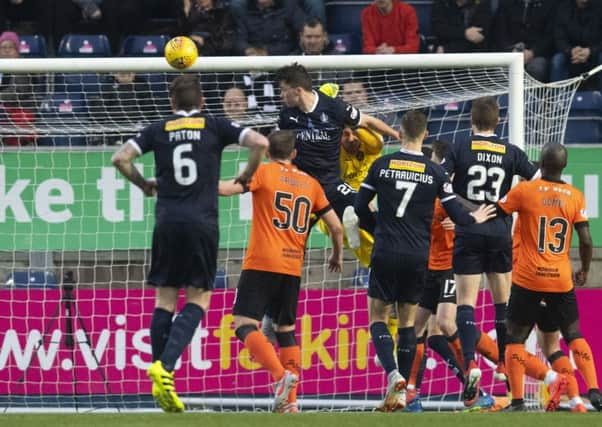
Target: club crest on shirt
{"type": "Point", "coordinates": [324, 118]}
{"type": "Point", "coordinates": [407, 165]}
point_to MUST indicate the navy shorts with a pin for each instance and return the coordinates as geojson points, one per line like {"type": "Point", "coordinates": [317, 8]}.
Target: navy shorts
{"type": "Point", "coordinates": [439, 287]}
{"type": "Point", "coordinates": [340, 196]}
{"type": "Point", "coordinates": [396, 278]}
{"type": "Point", "coordinates": [476, 254]}
{"type": "Point", "coordinates": [183, 255]}
{"type": "Point", "coordinates": [261, 292]}
{"type": "Point", "coordinates": [551, 311]}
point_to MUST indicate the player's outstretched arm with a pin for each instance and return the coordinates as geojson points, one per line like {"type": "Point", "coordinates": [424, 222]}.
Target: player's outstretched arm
{"type": "Point", "coordinates": [458, 213]}
{"type": "Point", "coordinates": [257, 145]}
{"type": "Point", "coordinates": [335, 262]}
{"type": "Point", "coordinates": [377, 125]}
{"type": "Point", "coordinates": [585, 252]}
{"type": "Point", "coordinates": [230, 188]}
{"type": "Point", "coordinates": [122, 160]}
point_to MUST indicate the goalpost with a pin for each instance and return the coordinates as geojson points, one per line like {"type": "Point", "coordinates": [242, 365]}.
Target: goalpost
{"type": "Point", "coordinates": [80, 341]}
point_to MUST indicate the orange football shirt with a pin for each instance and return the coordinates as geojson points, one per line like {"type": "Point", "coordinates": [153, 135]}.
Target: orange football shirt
{"type": "Point", "coordinates": [442, 241]}
{"type": "Point", "coordinates": [283, 199]}
{"type": "Point", "coordinates": [548, 210]}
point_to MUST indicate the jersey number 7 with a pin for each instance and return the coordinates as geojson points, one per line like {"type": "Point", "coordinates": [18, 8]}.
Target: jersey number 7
{"type": "Point", "coordinates": [408, 189]}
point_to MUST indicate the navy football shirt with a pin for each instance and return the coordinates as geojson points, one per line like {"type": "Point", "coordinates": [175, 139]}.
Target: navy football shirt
{"type": "Point", "coordinates": [483, 168]}
{"type": "Point", "coordinates": [406, 184]}
{"type": "Point", "coordinates": [319, 136]}
{"type": "Point", "coordinates": [187, 150]}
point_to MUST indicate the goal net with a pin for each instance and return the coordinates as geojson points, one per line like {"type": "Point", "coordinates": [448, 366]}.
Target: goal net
{"type": "Point", "coordinates": [75, 236]}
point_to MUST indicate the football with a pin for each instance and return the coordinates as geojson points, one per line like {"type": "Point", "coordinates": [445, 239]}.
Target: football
{"type": "Point", "coordinates": [181, 52]}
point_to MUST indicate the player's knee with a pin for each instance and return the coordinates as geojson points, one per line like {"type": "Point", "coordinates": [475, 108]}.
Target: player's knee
{"type": "Point", "coordinates": [286, 339]}
{"type": "Point", "coordinates": [244, 330]}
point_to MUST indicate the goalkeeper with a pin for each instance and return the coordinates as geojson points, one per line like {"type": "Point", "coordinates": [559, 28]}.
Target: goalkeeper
{"type": "Point", "coordinates": [359, 148]}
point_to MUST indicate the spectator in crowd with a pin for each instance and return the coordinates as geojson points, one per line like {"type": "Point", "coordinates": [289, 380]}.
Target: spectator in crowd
{"type": "Point", "coordinates": [577, 37]}
{"type": "Point", "coordinates": [123, 18]}
{"type": "Point", "coordinates": [209, 24]}
{"type": "Point", "coordinates": [17, 101]}
{"type": "Point", "coordinates": [90, 9]}
{"type": "Point", "coordinates": [313, 39]}
{"type": "Point", "coordinates": [311, 8]}
{"type": "Point", "coordinates": [12, 12]}
{"type": "Point", "coordinates": [234, 104]}
{"type": "Point", "coordinates": [354, 92]}
{"type": "Point", "coordinates": [461, 25]}
{"type": "Point", "coordinates": [390, 26]}
{"type": "Point", "coordinates": [525, 26]}
{"type": "Point", "coordinates": [270, 27]}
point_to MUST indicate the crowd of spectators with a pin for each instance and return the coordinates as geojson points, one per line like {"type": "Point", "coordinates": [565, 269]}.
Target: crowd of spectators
{"type": "Point", "coordinates": [558, 38]}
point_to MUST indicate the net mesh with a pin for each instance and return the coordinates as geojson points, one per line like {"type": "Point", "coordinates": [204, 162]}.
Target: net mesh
{"type": "Point", "coordinates": [64, 209]}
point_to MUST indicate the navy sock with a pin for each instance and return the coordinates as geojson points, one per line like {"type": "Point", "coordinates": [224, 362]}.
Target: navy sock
{"type": "Point", "coordinates": [159, 331]}
{"type": "Point", "coordinates": [467, 331]}
{"type": "Point", "coordinates": [181, 333]}
{"type": "Point", "coordinates": [383, 345]}
{"type": "Point", "coordinates": [500, 329]}
{"type": "Point", "coordinates": [406, 350]}
{"type": "Point", "coordinates": [439, 344]}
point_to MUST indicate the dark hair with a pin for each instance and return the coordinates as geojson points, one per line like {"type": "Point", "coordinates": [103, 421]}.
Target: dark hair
{"type": "Point", "coordinates": [440, 147]}
{"type": "Point", "coordinates": [313, 22]}
{"type": "Point", "coordinates": [282, 144]}
{"type": "Point", "coordinates": [294, 75]}
{"type": "Point", "coordinates": [413, 123]}
{"type": "Point", "coordinates": [427, 151]}
{"type": "Point", "coordinates": [185, 92]}
{"type": "Point", "coordinates": [485, 113]}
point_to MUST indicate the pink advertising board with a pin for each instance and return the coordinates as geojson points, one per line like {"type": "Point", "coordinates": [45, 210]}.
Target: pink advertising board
{"type": "Point", "coordinates": [337, 357]}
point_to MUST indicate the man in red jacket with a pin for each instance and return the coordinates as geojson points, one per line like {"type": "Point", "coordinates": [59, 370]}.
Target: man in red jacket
{"type": "Point", "coordinates": [390, 26]}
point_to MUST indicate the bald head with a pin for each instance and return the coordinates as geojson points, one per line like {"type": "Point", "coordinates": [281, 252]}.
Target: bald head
{"type": "Point", "coordinates": [553, 159]}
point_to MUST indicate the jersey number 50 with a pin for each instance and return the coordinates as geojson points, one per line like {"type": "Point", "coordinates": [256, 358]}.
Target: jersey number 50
{"type": "Point", "coordinates": [296, 212]}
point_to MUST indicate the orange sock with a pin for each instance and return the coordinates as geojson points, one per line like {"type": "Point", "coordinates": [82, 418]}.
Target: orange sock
{"type": "Point", "coordinates": [290, 358]}
{"type": "Point", "coordinates": [488, 348]}
{"type": "Point", "coordinates": [416, 364]}
{"type": "Point", "coordinates": [534, 367]}
{"type": "Point", "coordinates": [584, 359]}
{"type": "Point", "coordinates": [456, 347]}
{"type": "Point", "coordinates": [263, 352]}
{"type": "Point", "coordinates": [516, 357]}
{"type": "Point", "coordinates": [562, 365]}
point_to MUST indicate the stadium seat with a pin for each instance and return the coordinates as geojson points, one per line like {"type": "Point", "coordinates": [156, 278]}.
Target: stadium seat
{"type": "Point", "coordinates": [423, 13]}
{"type": "Point", "coordinates": [360, 277]}
{"type": "Point", "coordinates": [79, 45]}
{"type": "Point", "coordinates": [33, 47]}
{"type": "Point", "coordinates": [221, 279]}
{"type": "Point", "coordinates": [143, 46]}
{"type": "Point", "coordinates": [70, 109]}
{"type": "Point", "coordinates": [32, 279]}
{"type": "Point", "coordinates": [343, 43]}
{"type": "Point", "coordinates": [584, 124]}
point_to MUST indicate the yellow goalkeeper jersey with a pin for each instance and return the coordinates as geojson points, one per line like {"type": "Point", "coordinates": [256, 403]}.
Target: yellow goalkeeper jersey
{"type": "Point", "coordinates": [354, 167]}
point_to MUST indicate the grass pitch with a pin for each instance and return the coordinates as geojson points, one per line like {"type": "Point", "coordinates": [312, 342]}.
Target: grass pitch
{"type": "Point", "coordinates": [301, 420]}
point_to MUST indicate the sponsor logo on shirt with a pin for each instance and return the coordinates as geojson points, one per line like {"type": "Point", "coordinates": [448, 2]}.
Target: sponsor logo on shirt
{"type": "Point", "coordinates": [407, 165]}
{"type": "Point", "coordinates": [185, 123]}
{"type": "Point", "coordinates": [488, 146]}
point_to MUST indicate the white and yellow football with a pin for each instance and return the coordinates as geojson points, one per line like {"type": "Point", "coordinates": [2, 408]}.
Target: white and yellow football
{"type": "Point", "coordinates": [181, 52]}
